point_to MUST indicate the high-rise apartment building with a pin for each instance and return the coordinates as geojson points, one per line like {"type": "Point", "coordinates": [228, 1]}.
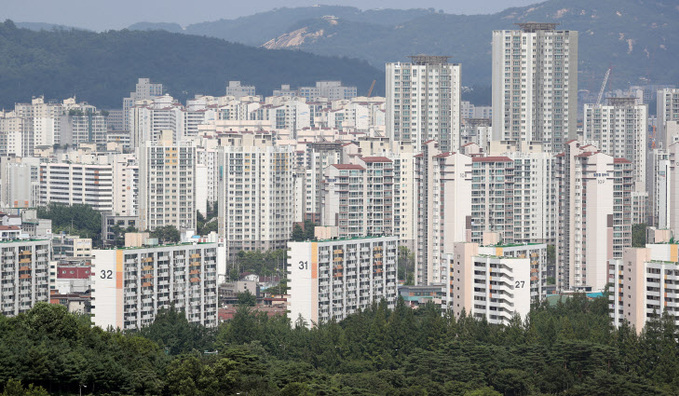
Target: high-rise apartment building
{"type": "Point", "coordinates": [144, 90]}
{"type": "Point", "coordinates": [444, 209]}
{"type": "Point", "coordinates": [359, 198]}
{"type": "Point", "coordinates": [167, 184]}
{"type": "Point", "coordinates": [619, 129]}
{"type": "Point", "coordinates": [668, 116]}
{"type": "Point", "coordinates": [666, 188]}
{"type": "Point", "coordinates": [423, 102]}
{"type": "Point", "coordinates": [332, 279]}
{"type": "Point", "coordinates": [594, 215]}
{"type": "Point", "coordinates": [131, 285]}
{"type": "Point", "coordinates": [535, 85]}
{"type": "Point", "coordinates": [255, 192]}
{"type": "Point", "coordinates": [24, 266]}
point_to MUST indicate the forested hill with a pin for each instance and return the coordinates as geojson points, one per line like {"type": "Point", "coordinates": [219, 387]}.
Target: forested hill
{"type": "Point", "coordinates": [568, 349]}
{"type": "Point", "coordinates": [102, 68]}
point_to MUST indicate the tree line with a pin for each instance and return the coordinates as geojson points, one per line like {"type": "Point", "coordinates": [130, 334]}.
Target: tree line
{"type": "Point", "coordinates": [570, 348]}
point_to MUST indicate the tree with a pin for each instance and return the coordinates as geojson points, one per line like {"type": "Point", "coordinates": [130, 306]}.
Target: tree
{"type": "Point", "coordinates": [297, 233]}
{"type": "Point", "coordinates": [639, 235]}
{"type": "Point", "coordinates": [246, 298]}
{"type": "Point", "coordinates": [166, 234]}
{"type": "Point", "coordinates": [406, 265]}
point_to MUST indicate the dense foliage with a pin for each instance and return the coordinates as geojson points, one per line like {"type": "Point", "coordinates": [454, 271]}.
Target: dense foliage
{"type": "Point", "coordinates": [569, 349]}
{"type": "Point", "coordinates": [102, 68]}
{"type": "Point", "coordinates": [263, 263]}
{"type": "Point", "coordinates": [77, 219]}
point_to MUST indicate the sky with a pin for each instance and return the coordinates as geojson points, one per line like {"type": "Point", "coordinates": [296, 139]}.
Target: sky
{"type": "Point", "coordinates": [102, 15]}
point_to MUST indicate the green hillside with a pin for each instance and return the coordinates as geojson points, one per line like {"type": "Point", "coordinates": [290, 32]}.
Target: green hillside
{"type": "Point", "coordinates": [102, 68]}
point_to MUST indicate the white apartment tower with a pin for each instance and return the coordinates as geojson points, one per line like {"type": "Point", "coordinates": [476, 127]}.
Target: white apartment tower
{"type": "Point", "coordinates": [668, 116]}
{"type": "Point", "coordinates": [167, 184]}
{"type": "Point", "coordinates": [423, 102]}
{"type": "Point", "coordinates": [619, 129]}
{"type": "Point", "coordinates": [131, 285]}
{"type": "Point", "coordinates": [444, 210]}
{"type": "Point", "coordinates": [359, 198]}
{"type": "Point", "coordinates": [256, 199]}
{"type": "Point", "coordinates": [535, 85]}
{"type": "Point", "coordinates": [332, 279]}
{"type": "Point", "coordinates": [594, 221]}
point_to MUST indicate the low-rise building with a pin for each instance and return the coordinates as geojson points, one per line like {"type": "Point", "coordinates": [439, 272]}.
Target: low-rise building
{"type": "Point", "coordinates": [332, 279]}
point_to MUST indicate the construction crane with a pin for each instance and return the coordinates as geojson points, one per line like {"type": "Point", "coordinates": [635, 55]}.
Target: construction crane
{"type": "Point", "coordinates": [372, 86]}
{"type": "Point", "coordinates": [603, 86]}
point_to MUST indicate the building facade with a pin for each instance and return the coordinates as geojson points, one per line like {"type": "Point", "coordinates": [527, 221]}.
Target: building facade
{"type": "Point", "coordinates": [25, 267]}
{"type": "Point", "coordinates": [423, 102]}
{"type": "Point", "coordinates": [332, 279]}
{"type": "Point", "coordinates": [535, 85]}
{"type": "Point", "coordinates": [131, 285]}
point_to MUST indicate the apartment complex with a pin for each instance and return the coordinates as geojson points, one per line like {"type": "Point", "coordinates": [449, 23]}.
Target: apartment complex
{"type": "Point", "coordinates": [423, 102]}
{"type": "Point", "coordinates": [130, 285]}
{"type": "Point", "coordinates": [496, 282]}
{"type": "Point", "coordinates": [332, 279]}
{"type": "Point", "coordinates": [167, 184]}
{"type": "Point", "coordinates": [24, 266]}
{"type": "Point", "coordinates": [535, 85]}
{"type": "Point", "coordinates": [594, 222]}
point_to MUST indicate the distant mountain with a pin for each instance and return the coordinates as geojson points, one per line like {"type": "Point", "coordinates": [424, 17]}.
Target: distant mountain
{"type": "Point", "coordinates": [149, 26]}
{"type": "Point", "coordinates": [38, 26]}
{"type": "Point", "coordinates": [102, 68]}
{"type": "Point", "coordinates": [637, 37]}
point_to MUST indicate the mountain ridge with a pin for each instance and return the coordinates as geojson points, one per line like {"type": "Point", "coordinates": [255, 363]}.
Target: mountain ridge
{"type": "Point", "coordinates": [635, 36]}
{"type": "Point", "coordinates": [102, 68]}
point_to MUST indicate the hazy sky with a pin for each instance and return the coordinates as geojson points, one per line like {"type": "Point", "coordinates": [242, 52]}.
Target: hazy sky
{"type": "Point", "coordinates": [117, 14]}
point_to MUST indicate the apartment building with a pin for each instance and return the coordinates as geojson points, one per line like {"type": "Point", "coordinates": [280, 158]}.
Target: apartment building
{"type": "Point", "coordinates": [423, 102]}
{"type": "Point", "coordinates": [167, 184]}
{"type": "Point", "coordinates": [131, 285]}
{"type": "Point", "coordinates": [335, 278]}
{"type": "Point", "coordinates": [594, 215]}
{"type": "Point", "coordinates": [73, 183]}
{"type": "Point", "coordinates": [359, 198]}
{"type": "Point", "coordinates": [144, 90]}
{"type": "Point", "coordinates": [643, 284]}
{"type": "Point", "coordinates": [24, 269]}
{"type": "Point", "coordinates": [535, 85]}
{"type": "Point", "coordinates": [444, 209]}
{"type": "Point", "coordinates": [668, 116]}
{"type": "Point", "coordinates": [256, 199]}
{"type": "Point", "coordinates": [238, 90]}
{"type": "Point", "coordinates": [496, 282]}
{"type": "Point", "coordinates": [619, 129]}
